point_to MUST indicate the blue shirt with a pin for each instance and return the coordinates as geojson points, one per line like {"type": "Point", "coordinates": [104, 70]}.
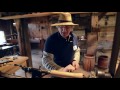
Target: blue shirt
{"type": "Point", "coordinates": [61, 48]}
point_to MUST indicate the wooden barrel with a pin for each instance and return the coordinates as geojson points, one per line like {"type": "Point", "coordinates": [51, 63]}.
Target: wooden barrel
{"type": "Point", "coordinates": [89, 62]}
{"type": "Point", "coordinates": [103, 62]}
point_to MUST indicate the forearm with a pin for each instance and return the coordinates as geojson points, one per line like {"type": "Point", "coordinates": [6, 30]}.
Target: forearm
{"type": "Point", "coordinates": [48, 63]}
{"type": "Point", "coordinates": [76, 56]}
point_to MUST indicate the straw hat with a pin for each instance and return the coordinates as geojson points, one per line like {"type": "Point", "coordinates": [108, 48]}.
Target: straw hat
{"type": "Point", "coordinates": [64, 19]}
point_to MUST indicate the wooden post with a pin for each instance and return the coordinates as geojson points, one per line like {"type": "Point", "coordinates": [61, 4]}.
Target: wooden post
{"type": "Point", "coordinates": [26, 36]}
{"type": "Point", "coordinates": [94, 21]}
{"type": "Point", "coordinates": [101, 14]}
{"type": "Point", "coordinates": [11, 29]}
{"type": "Point", "coordinates": [20, 39]}
{"type": "Point", "coordinates": [88, 28]}
{"type": "Point", "coordinates": [115, 47]}
{"type": "Point", "coordinates": [117, 74]}
{"type": "Point", "coordinates": [23, 39]}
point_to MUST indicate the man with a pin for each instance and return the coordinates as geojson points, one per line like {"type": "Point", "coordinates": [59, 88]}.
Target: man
{"type": "Point", "coordinates": [61, 51]}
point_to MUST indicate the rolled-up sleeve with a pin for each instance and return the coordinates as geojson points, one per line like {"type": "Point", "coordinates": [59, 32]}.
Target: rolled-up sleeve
{"type": "Point", "coordinates": [47, 59]}
{"type": "Point", "coordinates": [48, 62]}
{"type": "Point", "coordinates": [76, 56]}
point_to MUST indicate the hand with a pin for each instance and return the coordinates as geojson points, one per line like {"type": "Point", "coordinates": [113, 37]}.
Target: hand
{"type": "Point", "coordinates": [68, 68]}
{"type": "Point", "coordinates": [75, 64]}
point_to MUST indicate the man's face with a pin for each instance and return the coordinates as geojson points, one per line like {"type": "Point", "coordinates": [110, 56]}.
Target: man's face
{"type": "Point", "coordinates": [65, 30]}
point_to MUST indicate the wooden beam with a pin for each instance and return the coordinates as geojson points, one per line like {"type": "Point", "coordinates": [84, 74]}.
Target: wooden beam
{"type": "Point", "coordinates": [101, 14]}
{"type": "Point", "coordinates": [30, 15]}
{"type": "Point", "coordinates": [111, 13]}
{"type": "Point", "coordinates": [17, 22]}
{"type": "Point", "coordinates": [115, 47]}
{"type": "Point", "coordinates": [26, 41]}
{"type": "Point", "coordinates": [82, 12]}
{"type": "Point", "coordinates": [20, 36]}
{"type": "Point", "coordinates": [94, 21]}
{"type": "Point", "coordinates": [11, 29]}
{"type": "Point", "coordinates": [39, 15]}
{"type": "Point", "coordinates": [117, 74]}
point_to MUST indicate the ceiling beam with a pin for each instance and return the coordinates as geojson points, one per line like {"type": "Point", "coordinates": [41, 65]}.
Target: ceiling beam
{"type": "Point", "coordinates": [29, 15]}
{"type": "Point", "coordinates": [38, 15]}
{"type": "Point", "coordinates": [82, 12]}
{"type": "Point", "coordinates": [41, 14]}
{"type": "Point", "coordinates": [101, 14]}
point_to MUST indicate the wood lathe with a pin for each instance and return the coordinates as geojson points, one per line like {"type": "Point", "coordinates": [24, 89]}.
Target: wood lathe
{"type": "Point", "coordinates": [37, 73]}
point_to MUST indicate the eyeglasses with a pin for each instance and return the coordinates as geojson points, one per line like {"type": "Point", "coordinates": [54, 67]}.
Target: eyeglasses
{"type": "Point", "coordinates": [67, 27]}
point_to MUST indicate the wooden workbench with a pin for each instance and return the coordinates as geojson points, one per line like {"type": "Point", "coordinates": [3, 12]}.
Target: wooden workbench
{"type": "Point", "coordinates": [10, 69]}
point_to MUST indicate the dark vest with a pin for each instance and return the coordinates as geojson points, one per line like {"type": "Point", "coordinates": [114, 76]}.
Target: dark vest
{"type": "Point", "coordinates": [61, 48]}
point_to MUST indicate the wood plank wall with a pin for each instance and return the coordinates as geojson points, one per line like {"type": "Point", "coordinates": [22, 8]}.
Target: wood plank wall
{"type": "Point", "coordinates": [39, 27]}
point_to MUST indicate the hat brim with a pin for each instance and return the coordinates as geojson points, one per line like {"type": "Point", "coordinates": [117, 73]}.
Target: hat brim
{"type": "Point", "coordinates": [64, 24]}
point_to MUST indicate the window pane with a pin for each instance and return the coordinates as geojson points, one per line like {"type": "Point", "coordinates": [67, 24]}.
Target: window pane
{"type": "Point", "coordinates": [2, 37]}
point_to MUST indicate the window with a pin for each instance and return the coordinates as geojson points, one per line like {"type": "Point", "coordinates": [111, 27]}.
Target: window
{"type": "Point", "coordinates": [2, 37]}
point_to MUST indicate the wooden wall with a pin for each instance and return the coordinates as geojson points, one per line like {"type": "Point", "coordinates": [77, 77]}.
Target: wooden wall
{"type": "Point", "coordinates": [106, 34]}
{"type": "Point", "coordinates": [39, 27]}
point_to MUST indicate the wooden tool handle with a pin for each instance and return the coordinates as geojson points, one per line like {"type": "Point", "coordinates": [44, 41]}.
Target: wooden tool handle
{"type": "Point", "coordinates": [66, 74]}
